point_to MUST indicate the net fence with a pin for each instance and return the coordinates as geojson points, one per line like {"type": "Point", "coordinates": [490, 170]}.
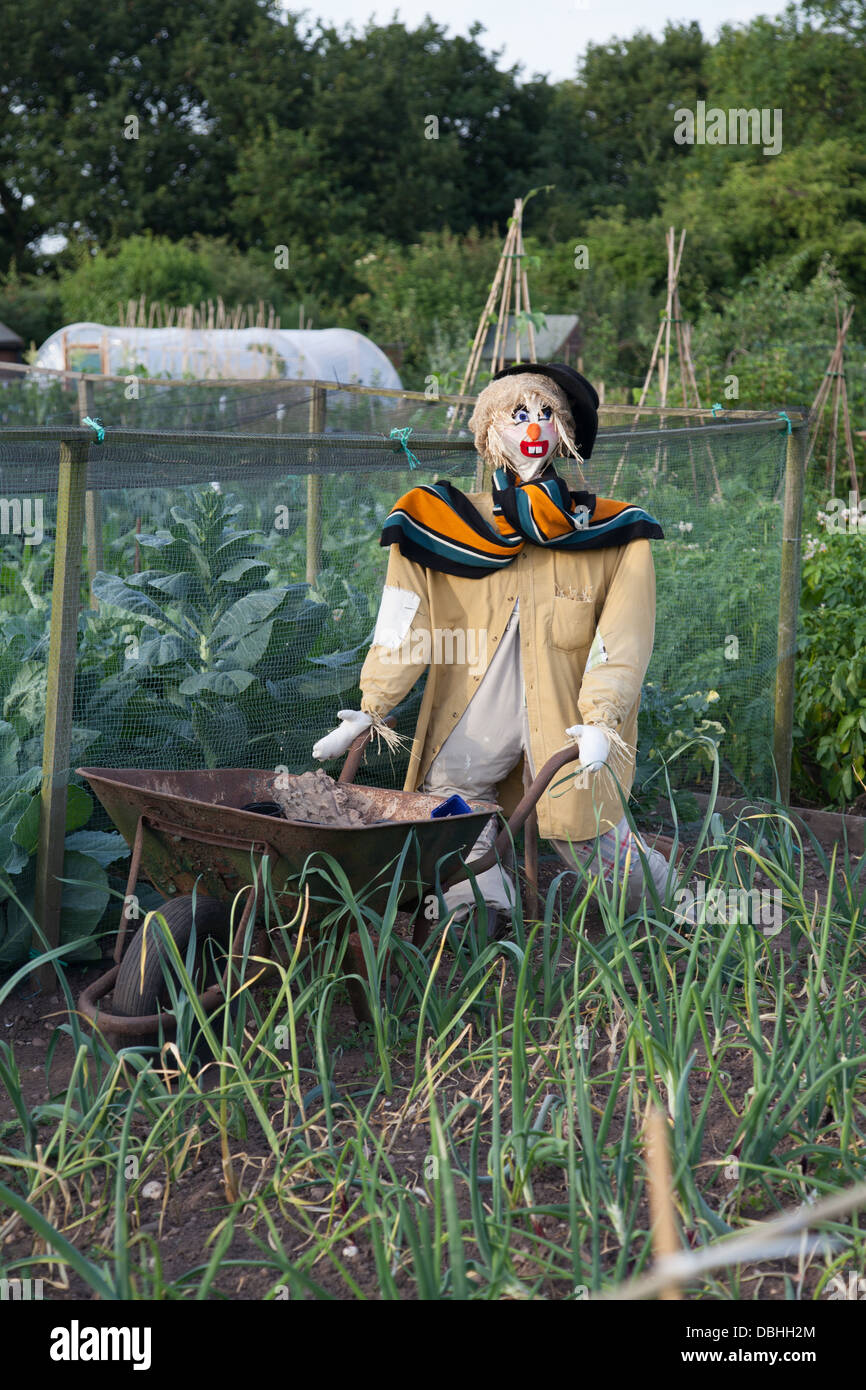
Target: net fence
{"type": "Point", "coordinates": [232, 573]}
{"type": "Point", "coordinates": [272, 407]}
{"type": "Point", "coordinates": [262, 406]}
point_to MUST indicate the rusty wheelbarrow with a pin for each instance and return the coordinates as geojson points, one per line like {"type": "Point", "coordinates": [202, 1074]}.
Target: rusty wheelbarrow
{"type": "Point", "coordinates": [190, 836]}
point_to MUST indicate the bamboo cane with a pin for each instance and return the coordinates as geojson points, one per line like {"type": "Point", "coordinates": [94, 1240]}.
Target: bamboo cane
{"type": "Point", "coordinates": [834, 435]}
{"type": "Point", "coordinates": [693, 381]}
{"type": "Point", "coordinates": [849, 442]}
{"type": "Point", "coordinates": [495, 293]}
{"type": "Point", "coordinates": [760, 1241]}
{"type": "Point", "coordinates": [641, 402]}
{"type": "Point", "coordinates": [518, 282]}
{"type": "Point", "coordinates": [664, 1227]}
{"type": "Point", "coordinates": [669, 309]}
{"type": "Point", "coordinates": [664, 361]}
{"type": "Point", "coordinates": [472, 365]}
{"type": "Point", "coordinates": [525, 281]}
{"type": "Point", "coordinates": [501, 334]}
{"type": "Point", "coordinates": [834, 368]}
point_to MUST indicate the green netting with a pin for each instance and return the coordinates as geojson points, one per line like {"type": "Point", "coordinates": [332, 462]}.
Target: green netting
{"type": "Point", "coordinates": [267, 406]}
{"type": "Point", "coordinates": [247, 407]}
{"type": "Point", "coordinates": [207, 647]}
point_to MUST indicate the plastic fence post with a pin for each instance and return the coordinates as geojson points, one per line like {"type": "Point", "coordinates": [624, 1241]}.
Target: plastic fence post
{"type": "Point", "coordinates": [92, 500]}
{"type": "Point", "coordinates": [314, 489]}
{"type": "Point", "coordinates": [789, 605]}
{"type": "Point", "coordinates": [65, 598]}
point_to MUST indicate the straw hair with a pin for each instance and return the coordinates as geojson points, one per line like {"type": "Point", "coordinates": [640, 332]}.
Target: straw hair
{"type": "Point", "coordinates": [384, 733]}
{"type": "Point", "coordinates": [501, 397]}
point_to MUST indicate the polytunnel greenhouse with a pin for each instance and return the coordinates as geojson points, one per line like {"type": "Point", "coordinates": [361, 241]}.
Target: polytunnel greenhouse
{"type": "Point", "coordinates": [321, 354]}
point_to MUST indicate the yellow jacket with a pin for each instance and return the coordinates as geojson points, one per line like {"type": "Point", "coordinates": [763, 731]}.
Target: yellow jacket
{"type": "Point", "coordinates": [565, 596]}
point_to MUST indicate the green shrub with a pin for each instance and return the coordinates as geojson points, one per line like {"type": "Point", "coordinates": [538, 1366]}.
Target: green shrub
{"type": "Point", "coordinates": [830, 701]}
{"type": "Point", "coordinates": [30, 306]}
{"type": "Point", "coordinates": [88, 851]}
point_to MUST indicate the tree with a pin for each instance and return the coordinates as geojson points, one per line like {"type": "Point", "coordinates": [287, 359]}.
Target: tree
{"type": "Point", "coordinates": [630, 90]}
{"type": "Point", "coordinates": [435, 287]}
{"type": "Point", "coordinates": [405, 132]}
{"type": "Point", "coordinates": [815, 77]}
{"type": "Point", "coordinates": [811, 197]}
{"type": "Point", "coordinates": [116, 119]}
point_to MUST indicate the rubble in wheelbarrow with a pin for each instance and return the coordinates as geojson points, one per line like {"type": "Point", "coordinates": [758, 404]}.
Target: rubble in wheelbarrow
{"type": "Point", "coordinates": [316, 798]}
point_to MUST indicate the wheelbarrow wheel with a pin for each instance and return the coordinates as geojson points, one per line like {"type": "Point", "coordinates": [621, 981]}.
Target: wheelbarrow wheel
{"type": "Point", "coordinates": [139, 990]}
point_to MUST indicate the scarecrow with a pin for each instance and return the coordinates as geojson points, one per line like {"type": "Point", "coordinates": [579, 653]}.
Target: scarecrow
{"type": "Point", "coordinates": [533, 608]}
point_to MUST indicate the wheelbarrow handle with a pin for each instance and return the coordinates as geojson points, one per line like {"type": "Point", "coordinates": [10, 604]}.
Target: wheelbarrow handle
{"type": "Point", "coordinates": [560, 759]}
{"type": "Point", "coordinates": [356, 749]}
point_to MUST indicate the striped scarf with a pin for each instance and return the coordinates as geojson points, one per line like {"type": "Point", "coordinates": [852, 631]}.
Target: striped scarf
{"type": "Point", "coordinates": [437, 526]}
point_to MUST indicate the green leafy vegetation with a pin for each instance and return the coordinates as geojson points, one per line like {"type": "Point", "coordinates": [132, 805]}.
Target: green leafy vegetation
{"type": "Point", "coordinates": [831, 683]}
{"type": "Point", "coordinates": [482, 1137]}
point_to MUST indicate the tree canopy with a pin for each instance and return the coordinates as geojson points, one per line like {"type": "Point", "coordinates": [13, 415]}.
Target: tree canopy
{"type": "Point", "coordinates": [175, 150]}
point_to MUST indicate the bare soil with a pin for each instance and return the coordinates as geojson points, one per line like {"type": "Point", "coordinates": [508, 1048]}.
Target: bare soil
{"type": "Point", "coordinates": [317, 799]}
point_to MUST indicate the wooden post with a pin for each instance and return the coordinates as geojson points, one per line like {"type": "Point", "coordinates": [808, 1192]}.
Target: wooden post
{"type": "Point", "coordinates": [318, 405]}
{"type": "Point", "coordinates": [662, 1216]}
{"type": "Point", "coordinates": [92, 501]}
{"type": "Point", "coordinates": [789, 602]}
{"type": "Point", "coordinates": [71, 487]}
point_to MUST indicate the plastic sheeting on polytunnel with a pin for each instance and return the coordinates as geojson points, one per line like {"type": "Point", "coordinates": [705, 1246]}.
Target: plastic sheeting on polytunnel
{"type": "Point", "coordinates": [320, 354]}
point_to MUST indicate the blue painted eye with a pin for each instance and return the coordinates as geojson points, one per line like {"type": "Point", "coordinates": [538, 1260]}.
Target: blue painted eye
{"type": "Point", "coordinates": [520, 415]}
{"type": "Point", "coordinates": [545, 412]}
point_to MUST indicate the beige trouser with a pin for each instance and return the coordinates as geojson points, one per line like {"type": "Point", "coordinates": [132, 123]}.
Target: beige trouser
{"type": "Point", "coordinates": [485, 745]}
{"type": "Point", "coordinates": [603, 857]}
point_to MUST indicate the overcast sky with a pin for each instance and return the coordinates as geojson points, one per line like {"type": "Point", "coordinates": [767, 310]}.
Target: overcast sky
{"type": "Point", "coordinates": [547, 37]}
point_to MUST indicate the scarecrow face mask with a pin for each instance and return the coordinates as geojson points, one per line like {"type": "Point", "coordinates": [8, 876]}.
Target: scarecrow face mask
{"type": "Point", "coordinates": [528, 436]}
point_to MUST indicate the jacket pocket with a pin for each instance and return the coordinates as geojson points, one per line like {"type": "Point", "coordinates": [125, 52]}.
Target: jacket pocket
{"type": "Point", "coordinates": [572, 624]}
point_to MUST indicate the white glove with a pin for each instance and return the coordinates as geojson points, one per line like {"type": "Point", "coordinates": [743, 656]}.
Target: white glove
{"type": "Point", "coordinates": [338, 740]}
{"type": "Point", "coordinates": [593, 743]}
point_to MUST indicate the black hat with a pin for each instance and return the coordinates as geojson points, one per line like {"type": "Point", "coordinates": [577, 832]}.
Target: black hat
{"type": "Point", "coordinates": [582, 397]}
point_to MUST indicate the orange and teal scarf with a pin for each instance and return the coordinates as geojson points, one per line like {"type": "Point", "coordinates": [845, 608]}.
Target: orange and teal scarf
{"type": "Point", "coordinates": [437, 526]}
